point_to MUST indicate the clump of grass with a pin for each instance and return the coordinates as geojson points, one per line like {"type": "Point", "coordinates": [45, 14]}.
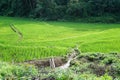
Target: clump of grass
{"type": "Point", "coordinates": [16, 72]}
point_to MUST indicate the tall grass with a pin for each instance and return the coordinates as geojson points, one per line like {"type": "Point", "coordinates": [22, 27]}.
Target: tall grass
{"type": "Point", "coordinates": [45, 39]}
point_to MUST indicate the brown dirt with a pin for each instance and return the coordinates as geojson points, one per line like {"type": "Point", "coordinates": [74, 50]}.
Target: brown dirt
{"type": "Point", "coordinates": [45, 62]}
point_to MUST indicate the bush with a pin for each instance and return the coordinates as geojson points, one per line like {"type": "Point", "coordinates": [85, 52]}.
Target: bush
{"type": "Point", "coordinates": [10, 72]}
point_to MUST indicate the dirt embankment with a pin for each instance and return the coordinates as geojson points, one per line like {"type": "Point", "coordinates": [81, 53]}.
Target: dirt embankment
{"type": "Point", "coordinates": [46, 63]}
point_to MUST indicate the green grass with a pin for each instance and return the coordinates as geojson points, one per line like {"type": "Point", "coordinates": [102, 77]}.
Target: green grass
{"type": "Point", "coordinates": [44, 39]}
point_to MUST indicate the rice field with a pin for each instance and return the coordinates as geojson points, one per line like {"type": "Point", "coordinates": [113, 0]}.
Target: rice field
{"type": "Point", "coordinates": [54, 38]}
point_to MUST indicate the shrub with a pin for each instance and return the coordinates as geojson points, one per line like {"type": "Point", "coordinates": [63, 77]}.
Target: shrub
{"type": "Point", "coordinates": [9, 71]}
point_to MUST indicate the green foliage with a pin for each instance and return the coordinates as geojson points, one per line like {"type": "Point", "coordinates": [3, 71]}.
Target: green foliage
{"type": "Point", "coordinates": [91, 70]}
{"type": "Point", "coordinates": [83, 71]}
{"type": "Point", "coordinates": [116, 66]}
{"type": "Point", "coordinates": [61, 9]}
{"type": "Point", "coordinates": [16, 72]}
{"type": "Point", "coordinates": [70, 75]}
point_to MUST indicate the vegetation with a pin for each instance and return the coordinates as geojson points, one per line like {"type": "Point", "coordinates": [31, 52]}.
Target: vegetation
{"type": "Point", "coordinates": [45, 39]}
{"type": "Point", "coordinates": [16, 72]}
{"type": "Point", "coordinates": [87, 66]}
{"type": "Point", "coordinates": [65, 9]}
{"type": "Point", "coordinates": [50, 28]}
{"type": "Point", "coordinates": [92, 66]}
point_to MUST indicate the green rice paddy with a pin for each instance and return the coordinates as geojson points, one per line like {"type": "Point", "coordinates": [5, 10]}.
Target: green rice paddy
{"type": "Point", "coordinates": [53, 38]}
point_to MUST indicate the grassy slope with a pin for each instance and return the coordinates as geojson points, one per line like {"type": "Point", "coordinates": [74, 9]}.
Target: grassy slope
{"type": "Point", "coordinates": [43, 39]}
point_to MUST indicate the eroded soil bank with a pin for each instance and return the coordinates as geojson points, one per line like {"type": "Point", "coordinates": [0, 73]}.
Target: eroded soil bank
{"type": "Point", "coordinates": [97, 64]}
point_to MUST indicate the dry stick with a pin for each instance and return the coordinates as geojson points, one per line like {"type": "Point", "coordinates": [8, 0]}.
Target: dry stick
{"type": "Point", "coordinates": [16, 31]}
{"type": "Point", "coordinates": [52, 63]}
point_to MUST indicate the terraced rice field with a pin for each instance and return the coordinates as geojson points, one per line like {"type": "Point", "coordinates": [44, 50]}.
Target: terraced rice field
{"type": "Point", "coordinates": [52, 38]}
